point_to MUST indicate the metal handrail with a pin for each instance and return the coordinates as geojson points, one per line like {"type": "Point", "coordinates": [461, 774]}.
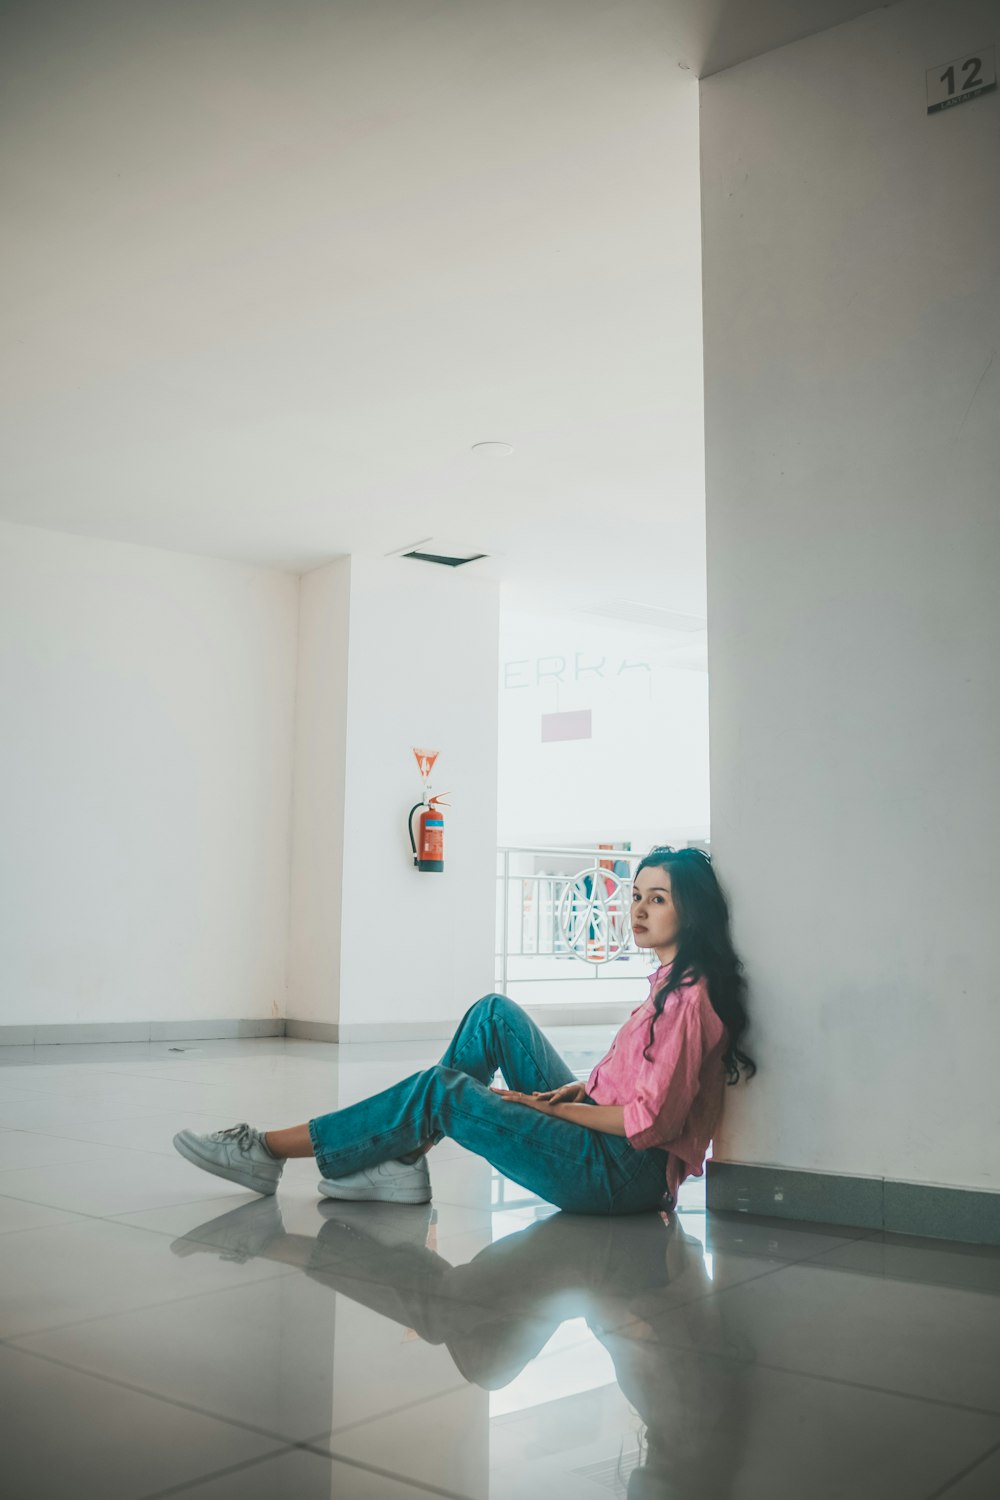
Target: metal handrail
{"type": "Point", "coordinates": [557, 944]}
{"type": "Point", "coordinates": [561, 947]}
{"type": "Point", "coordinates": [615, 854]}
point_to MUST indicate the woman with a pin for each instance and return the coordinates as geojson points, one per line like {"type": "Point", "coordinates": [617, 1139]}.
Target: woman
{"type": "Point", "coordinates": [622, 1143]}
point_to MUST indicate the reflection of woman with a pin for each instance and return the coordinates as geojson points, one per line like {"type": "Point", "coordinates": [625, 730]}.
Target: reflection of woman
{"type": "Point", "coordinates": [639, 1282]}
{"type": "Point", "coordinates": [642, 1287]}
{"type": "Point", "coordinates": [620, 1144]}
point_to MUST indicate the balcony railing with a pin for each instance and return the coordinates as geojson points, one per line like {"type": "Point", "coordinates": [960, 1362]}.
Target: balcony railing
{"type": "Point", "coordinates": [563, 924]}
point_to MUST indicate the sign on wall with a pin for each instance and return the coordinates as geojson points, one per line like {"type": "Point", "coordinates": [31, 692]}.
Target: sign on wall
{"type": "Point", "coordinates": [965, 78]}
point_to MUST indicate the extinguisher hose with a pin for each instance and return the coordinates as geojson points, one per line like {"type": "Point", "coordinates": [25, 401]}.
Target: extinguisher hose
{"type": "Point", "coordinates": [413, 843]}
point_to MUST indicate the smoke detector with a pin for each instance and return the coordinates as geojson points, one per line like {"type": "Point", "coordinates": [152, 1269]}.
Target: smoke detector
{"type": "Point", "coordinates": [492, 450]}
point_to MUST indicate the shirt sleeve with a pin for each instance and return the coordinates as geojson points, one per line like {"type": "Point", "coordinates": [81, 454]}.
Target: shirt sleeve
{"type": "Point", "coordinates": [666, 1088]}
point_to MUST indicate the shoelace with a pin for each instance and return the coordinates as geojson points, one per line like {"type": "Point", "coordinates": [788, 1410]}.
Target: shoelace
{"type": "Point", "coordinates": [243, 1135]}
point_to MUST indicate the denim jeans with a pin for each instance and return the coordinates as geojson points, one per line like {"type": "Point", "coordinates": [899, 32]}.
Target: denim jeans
{"type": "Point", "coordinates": [583, 1171]}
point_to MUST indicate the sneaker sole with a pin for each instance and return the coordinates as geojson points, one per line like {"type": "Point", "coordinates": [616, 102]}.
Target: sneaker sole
{"type": "Point", "coordinates": [371, 1195]}
{"type": "Point", "coordinates": [263, 1185]}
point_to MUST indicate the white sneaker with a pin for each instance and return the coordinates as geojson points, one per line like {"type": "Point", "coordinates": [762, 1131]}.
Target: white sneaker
{"type": "Point", "coordinates": [389, 1182]}
{"type": "Point", "coordinates": [237, 1153]}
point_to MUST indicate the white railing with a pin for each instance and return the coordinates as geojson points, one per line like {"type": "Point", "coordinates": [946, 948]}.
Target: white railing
{"type": "Point", "coordinates": [563, 918]}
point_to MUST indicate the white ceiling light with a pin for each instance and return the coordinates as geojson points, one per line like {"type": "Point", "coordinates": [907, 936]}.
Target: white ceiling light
{"type": "Point", "coordinates": [493, 450]}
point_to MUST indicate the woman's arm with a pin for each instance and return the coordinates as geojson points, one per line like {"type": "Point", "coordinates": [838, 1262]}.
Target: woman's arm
{"type": "Point", "coordinates": [608, 1118]}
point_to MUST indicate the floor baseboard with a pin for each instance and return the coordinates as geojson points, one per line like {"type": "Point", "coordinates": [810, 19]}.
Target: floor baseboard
{"type": "Point", "coordinates": [136, 1031]}
{"type": "Point", "coordinates": [969, 1215]}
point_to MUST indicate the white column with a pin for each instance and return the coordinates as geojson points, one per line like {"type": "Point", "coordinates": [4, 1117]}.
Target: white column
{"type": "Point", "coordinates": [852, 318]}
{"type": "Point", "coordinates": [318, 782]}
{"type": "Point", "coordinates": [393, 653]}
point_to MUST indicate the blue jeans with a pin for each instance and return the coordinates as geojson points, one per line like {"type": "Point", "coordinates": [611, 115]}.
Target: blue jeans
{"type": "Point", "coordinates": [583, 1171]}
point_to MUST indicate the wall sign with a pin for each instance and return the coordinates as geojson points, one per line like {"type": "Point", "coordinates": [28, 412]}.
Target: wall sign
{"type": "Point", "coordinates": [965, 78]}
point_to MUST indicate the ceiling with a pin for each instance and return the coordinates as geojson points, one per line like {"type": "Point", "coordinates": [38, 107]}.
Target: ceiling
{"type": "Point", "coordinates": [272, 267]}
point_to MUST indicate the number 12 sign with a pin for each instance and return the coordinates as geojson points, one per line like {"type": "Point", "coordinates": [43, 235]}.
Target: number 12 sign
{"type": "Point", "coordinates": [965, 78]}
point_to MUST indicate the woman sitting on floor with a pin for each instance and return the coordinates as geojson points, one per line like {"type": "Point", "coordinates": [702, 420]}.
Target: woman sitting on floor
{"type": "Point", "coordinates": [621, 1143]}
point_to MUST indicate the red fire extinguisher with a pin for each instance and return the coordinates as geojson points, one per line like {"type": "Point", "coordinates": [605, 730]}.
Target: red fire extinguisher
{"type": "Point", "coordinates": [428, 845]}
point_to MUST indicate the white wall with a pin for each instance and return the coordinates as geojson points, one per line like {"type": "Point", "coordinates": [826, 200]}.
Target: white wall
{"type": "Point", "coordinates": [145, 772]}
{"type": "Point", "coordinates": [852, 319]}
{"type": "Point", "coordinates": [393, 654]}
{"type": "Point", "coordinates": [153, 704]}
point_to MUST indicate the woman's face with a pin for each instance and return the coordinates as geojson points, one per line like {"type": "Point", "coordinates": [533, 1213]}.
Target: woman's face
{"type": "Point", "coordinates": [655, 923]}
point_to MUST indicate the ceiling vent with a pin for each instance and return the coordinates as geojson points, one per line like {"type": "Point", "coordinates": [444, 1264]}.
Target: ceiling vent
{"type": "Point", "coordinates": [442, 560]}
{"type": "Point", "coordinates": [430, 550]}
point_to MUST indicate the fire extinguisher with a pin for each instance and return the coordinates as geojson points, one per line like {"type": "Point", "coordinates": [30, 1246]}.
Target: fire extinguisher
{"type": "Point", "coordinates": [428, 845]}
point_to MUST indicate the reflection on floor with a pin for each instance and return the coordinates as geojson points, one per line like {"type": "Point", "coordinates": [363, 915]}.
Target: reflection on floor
{"type": "Point", "coordinates": [164, 1332]}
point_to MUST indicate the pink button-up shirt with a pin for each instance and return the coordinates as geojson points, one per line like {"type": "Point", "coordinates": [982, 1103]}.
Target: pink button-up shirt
{"type": "Point", "coordinates": [673, 1102]}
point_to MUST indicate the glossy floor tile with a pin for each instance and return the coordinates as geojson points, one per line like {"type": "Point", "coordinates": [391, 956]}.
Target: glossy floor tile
{"type": "Point", "coordinates": [982, 1482]}
{"type": "Point", "coordinates": [163, 1332]}
{"type": "Point", "coordinates": [298, 1474]}
{"type": "Point", "coordinates": [65, 1433]}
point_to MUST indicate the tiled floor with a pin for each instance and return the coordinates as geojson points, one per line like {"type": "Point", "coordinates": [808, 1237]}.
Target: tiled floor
{"type": "Point", "coordinates": [166, 1333]}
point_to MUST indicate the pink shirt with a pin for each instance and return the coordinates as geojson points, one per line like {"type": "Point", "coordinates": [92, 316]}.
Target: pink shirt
{"type": "Point", "coordinates": [673, 1102]}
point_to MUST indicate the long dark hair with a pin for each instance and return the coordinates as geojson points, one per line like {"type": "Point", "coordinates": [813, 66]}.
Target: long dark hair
{"type": "Point", "coordinates": [704, 949]}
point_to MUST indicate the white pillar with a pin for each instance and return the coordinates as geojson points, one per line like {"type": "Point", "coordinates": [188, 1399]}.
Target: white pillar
{"type": "Point", "coordinates": [852, 315]}
{"type": "Point", "coordinates": [392, 653]}
{"type": "Point", "coordinates": [318, 784]}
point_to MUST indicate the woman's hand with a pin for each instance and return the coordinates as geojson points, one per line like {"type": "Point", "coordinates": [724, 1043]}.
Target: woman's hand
{"type": "Point", "coordinates": [570, 1093]}
{"type": "Point", "coordinates": [533, 1101]}
{"type": "Point", "coordinates": [569, 1105]}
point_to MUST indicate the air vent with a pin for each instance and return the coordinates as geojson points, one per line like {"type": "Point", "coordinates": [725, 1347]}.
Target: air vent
{"type": "Point", "coordinates": [442, 560]}
{"type": "Point", "coordinates": [448, 553]}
